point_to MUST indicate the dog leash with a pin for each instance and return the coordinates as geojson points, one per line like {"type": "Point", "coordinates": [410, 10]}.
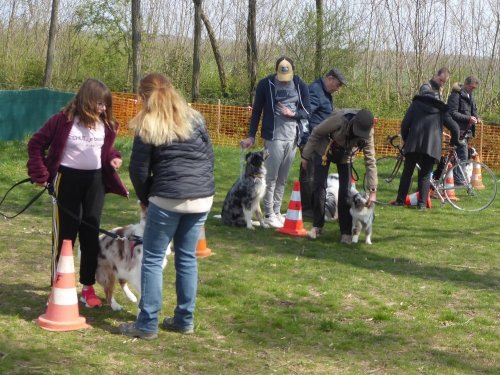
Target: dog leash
{"type": "Point", "coordinates": [242, 167]}
{"type": "Point", "coordinates": [49, 189]}
{"type": "Point", "coordinates": [33, 200]}
{"type": "Point", "coordinates": [73, 216]}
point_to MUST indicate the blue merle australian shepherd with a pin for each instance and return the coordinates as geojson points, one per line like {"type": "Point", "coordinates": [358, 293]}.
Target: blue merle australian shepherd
{"type": "Point", "coordinates": [243, 200]}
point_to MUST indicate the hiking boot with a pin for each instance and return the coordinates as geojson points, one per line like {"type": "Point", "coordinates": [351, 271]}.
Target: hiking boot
{"type": "Point", "coordinates": [421, 206]}
{"type": "Point", "coordinates": [346, 238]}
{"type": "Point", "coordinates": [129, 329]}
{"type": "Point", "coordinates": [89, 298]}
{"type": "Point", "coordinates": [273, 221]}
{"type": "Point", "coordinates": [314, 233]}
{"type": "Point", "coordinates": [169, 325]}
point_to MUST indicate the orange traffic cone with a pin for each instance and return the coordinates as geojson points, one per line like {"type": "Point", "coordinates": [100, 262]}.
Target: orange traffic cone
{"type": "Point", "coordinates": [476, 178]}
{"type": "Point", "coordinates": [62, 310]}
{"type": "Point", "coordinates": [293, 221]}
{"type": "Point", "coordinates": [449, 183]}
{"type": "Point", "coordinates": [202, 250]}
{"type": "Point", "coordinates": [412, 199]}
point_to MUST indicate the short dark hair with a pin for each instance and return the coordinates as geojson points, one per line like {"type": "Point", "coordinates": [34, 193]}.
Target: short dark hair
{"type": "Point", "coordinates": [284, 58]}
{"type": "Point", "coordinates": [471, 80]}
{"type": "Point", "coordinates": [442, 71]}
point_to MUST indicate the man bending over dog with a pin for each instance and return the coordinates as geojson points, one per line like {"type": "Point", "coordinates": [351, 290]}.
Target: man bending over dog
{"type": "Point", "coordinates": [337, 140]}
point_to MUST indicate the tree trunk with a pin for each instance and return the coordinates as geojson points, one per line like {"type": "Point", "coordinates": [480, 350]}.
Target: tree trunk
{"type": "Point", "coordinates": [217, 54]}
{"type": "Point", "coordinates": [252, 47]}
{"type": "Point", "coordinates": [195, 86]}
{"type": "Point", "coordinates": [318, 56]}
{"type": "Point", "coordinates": [51, 45]}
{"type": "Point", "coordinates": [136, 43]}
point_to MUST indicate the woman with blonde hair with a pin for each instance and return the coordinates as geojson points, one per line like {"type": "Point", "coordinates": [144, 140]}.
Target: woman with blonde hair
{"type": "Point", "coordinates": [171, 168]}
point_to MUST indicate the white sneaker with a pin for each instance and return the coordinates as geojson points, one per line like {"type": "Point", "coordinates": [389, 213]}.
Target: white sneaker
{"type": "Point", "coordinates": [281, 218]}
{"type": "Point", "coordinates": [273, 221]}
{"type": "Point", "coordinates": [314, 232]}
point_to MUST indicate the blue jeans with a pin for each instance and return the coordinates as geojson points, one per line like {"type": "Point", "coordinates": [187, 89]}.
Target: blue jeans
{"type": "Point", "coordinates": [162, 227]}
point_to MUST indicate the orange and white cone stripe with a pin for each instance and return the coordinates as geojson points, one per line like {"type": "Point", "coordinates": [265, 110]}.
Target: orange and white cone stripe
{"type": "Point", "coordinates": [476, 178]}
{"type": "Point", "coordinates": [62, 310]}
{"type": "Point", "coordinates": [293, 221]}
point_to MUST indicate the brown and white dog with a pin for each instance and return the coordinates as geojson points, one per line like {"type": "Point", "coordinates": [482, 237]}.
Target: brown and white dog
{"type": "Point", "coordinates": [120, 259]}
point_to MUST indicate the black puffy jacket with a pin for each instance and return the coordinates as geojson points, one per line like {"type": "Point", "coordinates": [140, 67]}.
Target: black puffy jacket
{"type": "Point", "coordinates": [422, 126]}
{"type": "Point", "coordinates": [180, 170]}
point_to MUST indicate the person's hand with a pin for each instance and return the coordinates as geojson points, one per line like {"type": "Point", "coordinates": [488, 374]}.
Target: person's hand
{"type": "Point", "coordinates": [372, 197]}
{"type": "Point", "coordinates": [41, 184]}
{"type": "Point", "coordinates": [116, 163]}
{"type": "Point", "coordinates": [473, 120]}
{"type": "Point", "coordinates": [284, 110]}
{"type": "Point", "coordinates": [247, 142]}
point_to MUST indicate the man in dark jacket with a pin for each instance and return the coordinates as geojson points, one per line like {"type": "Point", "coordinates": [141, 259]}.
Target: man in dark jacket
{"type": "Point", "coordinates": [463, 110]}
{"type": "Point", "coordinates": [320, 96]}
{"type": "Point", "coordinates": [422, 133]}
{"type": "Point", "coordinates": [434, 87]}
{"type": "Point", "coordinates": [282, 99]}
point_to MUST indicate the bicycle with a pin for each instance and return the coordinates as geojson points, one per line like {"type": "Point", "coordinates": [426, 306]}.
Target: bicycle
{"type": "Point", "coordinates": [389, 172]}
{"type": "Point", "coordinates": [475, 187]}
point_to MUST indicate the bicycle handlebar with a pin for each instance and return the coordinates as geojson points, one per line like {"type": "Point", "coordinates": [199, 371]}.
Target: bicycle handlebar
{"type": "Point", "coordinates": [391, 139]}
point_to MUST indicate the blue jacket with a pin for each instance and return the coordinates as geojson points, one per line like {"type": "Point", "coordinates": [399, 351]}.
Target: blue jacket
{"type": "Point", "coordinates": [264, 104]}
{"type": "Point", "coordinates": [321, 106]}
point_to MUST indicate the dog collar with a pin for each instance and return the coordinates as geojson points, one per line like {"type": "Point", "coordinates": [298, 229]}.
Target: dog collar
{"type": "Point", "coordinates": [134, 241]}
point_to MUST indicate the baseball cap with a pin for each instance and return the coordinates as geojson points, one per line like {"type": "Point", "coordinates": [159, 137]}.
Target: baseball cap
{"type": "Point", "coordinates": [337, 74]}
{"type": "Point", "coordinates": [285, 71]}
{"type": "Point", "coordinates": [362, 124]}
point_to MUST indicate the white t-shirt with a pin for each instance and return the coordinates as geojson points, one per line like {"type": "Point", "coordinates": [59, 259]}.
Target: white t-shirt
{"type": "Point", "coordinates": [83, 149]}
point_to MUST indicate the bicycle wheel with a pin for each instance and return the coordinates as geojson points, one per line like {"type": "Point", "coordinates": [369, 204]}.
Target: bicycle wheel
{"type": "Point", "coordinates": [476, 191]}
{"type": "Point", "coordinates": [389, 173]}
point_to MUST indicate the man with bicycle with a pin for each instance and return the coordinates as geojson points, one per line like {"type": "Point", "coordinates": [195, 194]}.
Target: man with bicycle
{"type": "Point", "coordinates": [462, 108]}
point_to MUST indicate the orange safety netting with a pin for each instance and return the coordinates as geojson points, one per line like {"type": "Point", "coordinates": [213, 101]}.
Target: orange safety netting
{"type": "Point", "coordinates": [228, 125]}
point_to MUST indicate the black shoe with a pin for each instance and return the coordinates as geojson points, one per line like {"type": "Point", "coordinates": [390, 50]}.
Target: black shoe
{"type": "Point", "coordinates": [169, 325]}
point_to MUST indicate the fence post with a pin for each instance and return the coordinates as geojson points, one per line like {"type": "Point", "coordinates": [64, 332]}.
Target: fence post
{"type": "Point", "coordinates": [218, 117]}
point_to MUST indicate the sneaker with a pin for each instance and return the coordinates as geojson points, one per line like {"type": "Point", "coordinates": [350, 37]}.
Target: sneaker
{"type": "Point", "coordinates": [281, 218]}
{"type": "Point", "coordinates": [396, 203]}
{"type": "Point", "coordinates": [89, 298]}
{"type": "Point", "coordinates": [129, 329]}
{"type": "Point", "coordinates": [315, 232]}
{"type": "Point", "coordinates": [169, 325]}
{"type": "Point", "coordinates": [273, 221]}
{"type": "Point", "coordinates": [346, 238]}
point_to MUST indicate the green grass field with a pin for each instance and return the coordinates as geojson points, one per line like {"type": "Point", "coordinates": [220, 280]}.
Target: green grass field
{"type": "Point", "coordinates": [423, 299]}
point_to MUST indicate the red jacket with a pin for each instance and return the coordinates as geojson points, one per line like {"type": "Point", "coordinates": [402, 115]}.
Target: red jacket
{"type": "Point", "coordinates": [52, 136]}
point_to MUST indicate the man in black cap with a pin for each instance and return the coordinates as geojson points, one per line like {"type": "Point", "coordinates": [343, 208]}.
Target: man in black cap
{"type": "Point", "coordinates": [320, 97]}
{"type": "Point", "coordinates": [337, 140]}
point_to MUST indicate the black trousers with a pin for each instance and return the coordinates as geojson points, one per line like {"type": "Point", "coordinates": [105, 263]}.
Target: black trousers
{"type": "Point", "coordinates": [81, 193]}
{"type": "Point", "coordinates": [306, 178]}
{"type": "Point", "coordinates": [319, 194]}
{"type": "Point", "coordinates": [426, 163]}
